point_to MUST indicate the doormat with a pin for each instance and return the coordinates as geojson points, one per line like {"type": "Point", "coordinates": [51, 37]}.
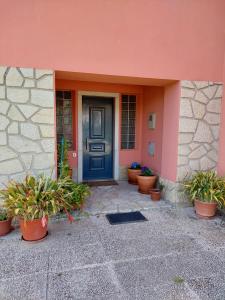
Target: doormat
{"type": "Point", "coordinates": [101, 183]}
{"type": "Point", "coordinates": [122, 218]}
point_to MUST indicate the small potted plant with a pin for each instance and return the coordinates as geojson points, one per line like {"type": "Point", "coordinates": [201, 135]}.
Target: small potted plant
{"type": "Point", "coordinates": [5, 222]}
{"type": "Point", "coordinates": [74, 193]}
{"type": "Point", "coordinates": [33, 201]}
{"type": "Point", "coordinates": [206, 191]}
{"type": "Point", "coordinates": [146, 180]}
{"type": "Point", "coordinates": [156, 193]}
{"type": "Point", "coordinates": [133, 171]}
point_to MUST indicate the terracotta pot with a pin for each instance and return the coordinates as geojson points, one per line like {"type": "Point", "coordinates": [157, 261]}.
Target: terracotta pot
{"type": "Point", "coordinates": [205, 209]}
{"type": "Point", "coordinates": [132, 175]}
{"type": "Point", "coordinates": [155, 195]}
{"type": "Point", "coordinates": [5, 226]}
{"type": "Point", "coordinates": [146, 183]}
{"type": "Point", "coordinates": [33, 230]}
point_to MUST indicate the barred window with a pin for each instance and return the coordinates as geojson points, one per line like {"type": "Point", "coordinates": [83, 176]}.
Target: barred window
{"type": "Point", "coordinates": [64, 117]}
{"type": "Point", "coordinates": [128, 122]}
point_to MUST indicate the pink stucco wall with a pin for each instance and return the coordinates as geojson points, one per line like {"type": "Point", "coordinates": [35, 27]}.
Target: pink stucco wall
{"type": "Point", "coordinates": [170, 131]}
{"type": "Point", "coordinates": [153, 98]}
{"type": "Point", "coordinates": [145, 38]}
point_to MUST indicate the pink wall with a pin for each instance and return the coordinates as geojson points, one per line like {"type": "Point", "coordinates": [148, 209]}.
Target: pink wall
{"type": "Point", "coordinates": [146, 38]}
{"type": "Point", "coordinates": [170, 131]}
{"type": "Point", "coordinates": [153, 99]}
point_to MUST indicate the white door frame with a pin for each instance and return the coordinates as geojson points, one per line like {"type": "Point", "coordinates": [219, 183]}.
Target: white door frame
{"type": "Point", "coordinates": [116, 97]}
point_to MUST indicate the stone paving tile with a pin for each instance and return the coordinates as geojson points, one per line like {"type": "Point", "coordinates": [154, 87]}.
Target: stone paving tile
{"type": "Point", "coordinates": [171, 291]}
{"type": "Point", "coordinates": [140, 247]}
{"type": "Point", "coordinates": [29, 287]}
{"type": "Point", "coordinates": [161, 270]}
{"type": "Point", "coordinates": [87, 283]}
{"type": "Point", "coordinates": [75, 257]}
{"type": "Point", "coordinates": [208, 288]}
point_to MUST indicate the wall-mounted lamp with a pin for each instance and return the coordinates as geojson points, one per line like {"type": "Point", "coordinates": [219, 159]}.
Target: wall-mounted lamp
{"type": "Point", "coordinates": [152, 120]}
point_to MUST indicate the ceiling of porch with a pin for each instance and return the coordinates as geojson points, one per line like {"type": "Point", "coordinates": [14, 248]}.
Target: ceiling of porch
{"type": "Point", "coordinates": [112, 79]}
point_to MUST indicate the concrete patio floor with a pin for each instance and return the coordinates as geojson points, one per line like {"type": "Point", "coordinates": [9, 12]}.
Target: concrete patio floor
{"type": "Point", "coordinates": [119, 198]}
{"type": "Point", "coordinates": [173, 256]}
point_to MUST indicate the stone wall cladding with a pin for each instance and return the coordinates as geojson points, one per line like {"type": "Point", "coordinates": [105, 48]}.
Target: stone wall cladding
{"type": "Point", "coordinates": [27, 133]}
{"type": "Point", "coordinates": [199, 123]}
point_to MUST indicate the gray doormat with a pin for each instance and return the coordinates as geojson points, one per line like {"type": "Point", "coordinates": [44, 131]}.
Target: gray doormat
{"type": "Point", "coordinates": [122, 218]}
{"type": "Point", "coordinates": [101, 183]}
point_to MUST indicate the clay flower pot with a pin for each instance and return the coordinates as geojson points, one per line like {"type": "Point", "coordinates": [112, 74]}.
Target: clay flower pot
{"type": "Point", "coordinates": [155, 194]}
{"type": "Point", "coordinates": [205, 209]}
{"type": "Point", "coordinates": [132, 175]}
{"type": "Point", "coordinates": [5, 226]}
{"type": "Point", "coordinates": [33, 230]}
{"type": "Point", "coordinates": [146, 183]}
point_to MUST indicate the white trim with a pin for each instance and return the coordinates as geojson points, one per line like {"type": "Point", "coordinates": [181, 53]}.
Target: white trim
{"type": "Point", "coordinates": [116, 96]}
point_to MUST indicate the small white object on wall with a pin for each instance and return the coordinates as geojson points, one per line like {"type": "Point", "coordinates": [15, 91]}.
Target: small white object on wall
{"type": "Point", "coordinates": [152, 121]}
{"type": "Point", "coordinates": [151, 148]}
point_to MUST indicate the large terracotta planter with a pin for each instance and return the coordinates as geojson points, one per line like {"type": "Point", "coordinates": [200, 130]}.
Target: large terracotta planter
{"type": "Point", "coordinates": [205, 209]}
{"type": "Point", "coordinates": [146, 183]}
{"type": "Point", "coordinates": [33, 230]}
{"type": "Point", "coordinates": [132, 175]}
{"type": "Point", "coordinates": [155, 195]}
{"type": "Point", "coordinates": [5, 226]}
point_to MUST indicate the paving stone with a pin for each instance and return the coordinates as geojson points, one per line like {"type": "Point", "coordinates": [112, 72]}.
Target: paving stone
{"type": "Point", "coordinates": [18, 95]}
{"type": "Point", "coordinates": [79, 256]}
{"type": "Point", "coordinates": [28, 110]}
{"type": "Point", "coordinates": [208, 288]}
{"type": "Point", "coordinates": [27, 72]}
{"type": "Point", "coordinates": [15, 114]}
{"type": "Point", "coordinates": [90, 283]}
{"type": "Point", "coordinates": [30, 287]}
{"type": "Point", "coordinates": [42, 98]}
{"type": "Point", "coordinates": [2, 74]}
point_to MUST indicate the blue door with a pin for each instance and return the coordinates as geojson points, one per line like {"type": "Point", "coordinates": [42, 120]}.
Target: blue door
{"type": "Point", "coordinates": [97, 138]}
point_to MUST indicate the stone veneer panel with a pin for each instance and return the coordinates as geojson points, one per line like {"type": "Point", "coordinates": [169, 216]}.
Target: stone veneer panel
{"type": "Point", "coordinates": [198, 136]}
{"type": "Point", "coordinates": [199, 124]}
{"type": "Point", "coordinates": [27, 133]}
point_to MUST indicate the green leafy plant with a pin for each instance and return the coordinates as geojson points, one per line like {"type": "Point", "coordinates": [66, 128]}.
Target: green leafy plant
{"type": "Point", "coordinates": [145, 171]}
{"type": "Point", "coordinates": [159, 185]}
{"type": "Point", "coordinates": [63, 164]}
{"type": "Point", "coordinates": [34, 198]}
{"type": "Point", "coordinates": [178, 280]}
{"type": "Point", "coordinates": [74, 193]}
{"type": "Point", "coordinates": [3, 214]}
{"type": "Point", "coordinates": [206, 187]}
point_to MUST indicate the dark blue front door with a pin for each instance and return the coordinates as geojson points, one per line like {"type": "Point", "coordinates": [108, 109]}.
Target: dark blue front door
{"type": "Point", "coordinates": [97, 138]}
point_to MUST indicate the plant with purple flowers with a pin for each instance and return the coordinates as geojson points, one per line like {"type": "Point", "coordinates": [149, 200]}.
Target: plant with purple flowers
{"type": "Point", "coordinates": [135, 166]}
{"type": "Point", "coordinates": [145, 171]}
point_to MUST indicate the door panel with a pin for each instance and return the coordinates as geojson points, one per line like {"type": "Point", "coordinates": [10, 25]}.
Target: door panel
{"type": "Point", "coordinates": [97, 138]}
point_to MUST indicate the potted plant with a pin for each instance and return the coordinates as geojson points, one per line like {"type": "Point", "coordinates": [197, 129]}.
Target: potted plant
{"type": "Point", "coordinates": [63, 165]}
{"type": "Point", "coordinates": [133, 171]}
{"type": "Point", "coordinates": [74, 193]}
{"type": "Point", "coordinates": [156, 193]}
{"type": "Point", "coordinates": [33, 201]}
{"type": "Point", "coordinates": [5, 222]}
{"type": "Point", "coordinates": [206, 191]}
{"type": "Point", "coordinates": [146, 180]}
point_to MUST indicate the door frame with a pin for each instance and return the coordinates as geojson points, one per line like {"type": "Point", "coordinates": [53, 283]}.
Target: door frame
{"type": "Point", "coordinates": [116, 97]}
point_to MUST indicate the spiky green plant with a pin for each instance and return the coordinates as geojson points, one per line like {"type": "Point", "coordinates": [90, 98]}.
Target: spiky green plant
{"type": "Point", "coordinates": [3, 214]}
{"type": "Point", "coordinates": [206, 187]}
{"type": "Point", "coordinates": [34, 198]}
{"type": "Point", "coordinates": [74, 193]}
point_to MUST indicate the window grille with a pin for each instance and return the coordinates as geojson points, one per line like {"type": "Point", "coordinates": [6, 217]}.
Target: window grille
{"type": "Point", "coordinates": [128, 122]}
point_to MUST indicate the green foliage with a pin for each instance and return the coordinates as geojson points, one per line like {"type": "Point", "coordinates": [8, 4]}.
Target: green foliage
{"type": "Point", "coordinates": [3, 214]}
{"type": "Point", "coordinates": [74, 193]}
{"type": "Point", "coordinates": [178, 280]}
{"type": "Point", "coordinates": [34, 198]}
{"type": "Point", "coordinates": [145, 171]}
{"type": "Point", "coordinates": [63, 164]}
{"type": "Point", "coordinates": [159, 185]}
{"type": "Point", "coordinates": [206, 187]}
